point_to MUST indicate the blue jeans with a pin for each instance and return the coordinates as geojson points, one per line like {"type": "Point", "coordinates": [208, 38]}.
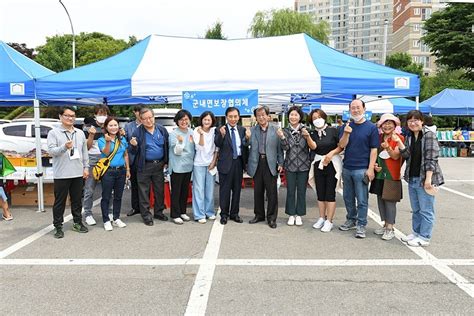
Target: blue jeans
{"type": "Point", "coordinates": [355, 189]}
{"type": "Point", "coordinates": [203, 193]}
{"type": "Point", "coordinates": [113, 180]}
{"type": "Point", "coordinates": [422, 205]}
{"type": "Point", "coordinates": [296, 192]}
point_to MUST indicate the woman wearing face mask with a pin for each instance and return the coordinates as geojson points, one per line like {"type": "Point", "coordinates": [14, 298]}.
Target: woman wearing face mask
{"type": "Point", "coordinates": [296, 142]}
{"type": "Point", "coordinates": [387, 184]}
{"type": "Point", "coordinates": [93, 131]}
{"type": "Point", "coordinates": [423, 174]}
{"type": "Point", "coordinates": [204, 170]}
{"type": "Point", "coordinates": [117, 173]}
{"type": "Point", "coordinates": [325, 169]}
{"type": "Point", "coordinates": [181, 161]}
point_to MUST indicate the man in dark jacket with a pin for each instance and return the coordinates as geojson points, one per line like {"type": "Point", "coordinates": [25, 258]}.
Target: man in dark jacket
{"type": "Point", "coordinates": [150, 144]}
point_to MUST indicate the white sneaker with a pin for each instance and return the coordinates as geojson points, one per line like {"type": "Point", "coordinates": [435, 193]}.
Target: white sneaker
{"type": "Point", "coordinates": [379, 231]}
{"type": "Point", "coordinates": [119, 223]}
{"type": "Point", "coordinates": [298, 221]}
{"type": "Point", "coordinates": [327, 227]}
{"type": "Point", "coordinates": [388, 234]}
{"type": "Point", "coordinates": [291, 221]}
{"type": "Point", "coordinates": [185, 217]}
{"type": "Point", "coordinates": [108, 226]}
{"type": "Point", "coordinates": [212, 217]}
{"type": "Point", "coordinates": [90, 220]}
{"type": "Point", "coordinates": [319, 223]}
{"type": "Point", "coordinates": [111, 217]}
{"type": "Point", "coordinates": [408, 238]}
{"type": "Point", "coordinates": [178, 221]}
{"type": "Point", "coordinates": [418, 242]}
{"type": "Point", "coordinates": [202, 221]}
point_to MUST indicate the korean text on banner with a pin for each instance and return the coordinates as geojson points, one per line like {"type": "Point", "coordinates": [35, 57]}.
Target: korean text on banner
{"type": "Point", "coordinates": [217, 102]}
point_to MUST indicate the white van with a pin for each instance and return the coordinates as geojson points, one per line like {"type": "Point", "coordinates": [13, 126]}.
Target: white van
{"type": "Point", "coordinates": [165, 117]}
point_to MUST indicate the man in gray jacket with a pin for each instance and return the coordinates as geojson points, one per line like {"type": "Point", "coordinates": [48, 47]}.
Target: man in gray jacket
{"type": "Point", "coordinates": [265, 163]}
{"type": "Point", "coordinates": [68, 147]}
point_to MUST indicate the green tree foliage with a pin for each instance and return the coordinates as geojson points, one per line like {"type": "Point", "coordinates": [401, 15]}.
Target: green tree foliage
{"type": "Point", "coordinates": [402, 61]}
{"type": "Point", "coordinates": [215, 32]}
{"type": "Point", "coordinates": [287, 22]}
{"type": "Point", "coordinates": [22, 48]}
{"type": "Point", "coordinates": [450, 37]}
{"type": "Point", "coordinates": [454, 79]}
{"type": "Point", "coordinates": [56, 54]}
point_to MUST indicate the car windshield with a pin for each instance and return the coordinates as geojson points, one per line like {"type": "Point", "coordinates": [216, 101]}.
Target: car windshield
{"type": "Point", "coordinates": [165, 121]}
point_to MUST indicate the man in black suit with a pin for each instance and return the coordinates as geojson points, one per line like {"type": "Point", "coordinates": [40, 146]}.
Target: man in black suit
{"type": "Point", "coordinates": [232, 140]}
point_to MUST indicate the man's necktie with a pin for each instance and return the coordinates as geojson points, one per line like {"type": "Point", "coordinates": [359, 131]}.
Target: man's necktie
{"type": "Point", "coordinates": [234, 143]}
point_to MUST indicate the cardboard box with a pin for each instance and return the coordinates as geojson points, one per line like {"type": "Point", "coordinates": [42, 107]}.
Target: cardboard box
{"type": "Point", "coordinates": [28, 195]}
{"type": "Point", "coordinates": [28, 162]}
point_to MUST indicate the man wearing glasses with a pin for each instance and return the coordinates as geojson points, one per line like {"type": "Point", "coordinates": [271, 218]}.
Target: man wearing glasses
{"type": "Point", "coordinates": [68, 147]}
{"type": "Point", "coordinates": [150, 144]}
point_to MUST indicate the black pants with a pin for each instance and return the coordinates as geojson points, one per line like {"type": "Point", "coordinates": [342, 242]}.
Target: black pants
{"type": "Point", "coordinates": [134, 188]}
{"type": "Point", "coordinates": [231, 183]}
{"type": "Point", "coordinates": [179, 193]}
{"type": "Point", "coordinates": [265, 184]}
{"type": "Point", "coordinates": [152, 173]}
{"type": "Point", "coordinates": [326, 183]}
{"type": "Point", "coordinates": [63, 188]}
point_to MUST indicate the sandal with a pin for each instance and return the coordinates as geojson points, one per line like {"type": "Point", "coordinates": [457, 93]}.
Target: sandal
{"type": "Point", "coordinates": [7, 218]}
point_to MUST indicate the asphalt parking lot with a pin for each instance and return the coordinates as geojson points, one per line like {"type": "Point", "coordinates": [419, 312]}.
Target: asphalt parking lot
{"type": "Point", "coordinates": [243, 269]}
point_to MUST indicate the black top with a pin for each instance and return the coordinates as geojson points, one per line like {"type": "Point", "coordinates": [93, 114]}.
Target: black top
{"type": "Point", "coordinates": [415, 150]}
{"type": "Point", "coordinates": [326, 143]}
{"type": "Point", "coordinates": [88, 122]}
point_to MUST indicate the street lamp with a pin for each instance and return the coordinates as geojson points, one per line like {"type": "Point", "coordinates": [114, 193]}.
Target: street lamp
{"type": "Point", "coordinates": [73, 37]}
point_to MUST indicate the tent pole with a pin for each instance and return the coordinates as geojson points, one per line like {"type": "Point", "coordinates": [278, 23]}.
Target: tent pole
{"type": "Point", "coordinates": [39, 166]}
{"type": "Point", "coordinates": [417, 100]}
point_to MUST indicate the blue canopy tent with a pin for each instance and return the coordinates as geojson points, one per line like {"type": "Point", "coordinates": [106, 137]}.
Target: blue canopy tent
{"type": "Point", "coordinates": [451, 102]}
{"type": "Point", "coordinates": [274, 65]}
{"type": "Point", "coordinates": [17, 84]}
{"type": "Point", "coordinates": [377, 106]}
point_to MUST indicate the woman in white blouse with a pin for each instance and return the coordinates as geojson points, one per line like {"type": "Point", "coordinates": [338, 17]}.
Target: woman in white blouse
{"type": "Point", "coordinates": [204, 169]}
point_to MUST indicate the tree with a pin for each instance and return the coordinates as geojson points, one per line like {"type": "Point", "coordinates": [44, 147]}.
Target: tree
{"type": "Point", "coordinates": [450, 37]}
{"type": "Point", "coordinates": [56, 54]}
{"type": "Point", "coordinates": [287, 22]}
{"type": "Point", "coordinates": [403, 61]}
{"type": "Point", "coordinates": [215, 32]}
{"type": "Point", "coordinates": [21, 48]}
{"type": "Point", "coordinates": [444, 78]}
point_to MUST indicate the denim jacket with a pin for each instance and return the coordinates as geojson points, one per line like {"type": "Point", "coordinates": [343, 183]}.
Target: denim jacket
{"type": "Point", "coordinates": [429, 157]}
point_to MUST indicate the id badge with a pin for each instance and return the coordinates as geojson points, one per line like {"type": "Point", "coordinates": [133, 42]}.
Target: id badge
{"type": "Point", "coordinates": [73, 154]}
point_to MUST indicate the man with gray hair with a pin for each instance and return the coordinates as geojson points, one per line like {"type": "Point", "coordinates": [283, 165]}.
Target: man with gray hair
{"type": "Point", "coordinates": [265, 164]}
{"type": "Point", "coordinates": [149, 143]}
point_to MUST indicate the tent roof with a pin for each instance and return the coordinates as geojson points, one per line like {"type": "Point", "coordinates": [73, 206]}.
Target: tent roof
{"type": "Point", "coordinates": [16, 68]}
{"type": "Point", "coordinates": [167, 66]}
{"type": "Point", "coordinates": [451, 102]}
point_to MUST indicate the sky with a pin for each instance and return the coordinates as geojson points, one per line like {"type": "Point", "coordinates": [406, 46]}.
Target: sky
{"type": "Point", "coordinates": [31, 21]}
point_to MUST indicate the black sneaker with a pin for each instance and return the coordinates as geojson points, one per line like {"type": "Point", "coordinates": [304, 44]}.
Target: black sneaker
{"type": "Point", "coordinates": [80, 228]}
{"type": "Point", "coordinates": [59, 233]}
{"type": "Point", "coordinates": [161, 217]}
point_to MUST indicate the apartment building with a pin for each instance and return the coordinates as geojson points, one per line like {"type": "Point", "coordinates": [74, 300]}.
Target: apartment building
{"type": "Point", "coordinates": [357, 26]}
{"type": "Point", "coordinates": [408, 19]}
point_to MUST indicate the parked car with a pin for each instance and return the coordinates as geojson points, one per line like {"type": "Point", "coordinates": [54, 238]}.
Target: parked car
{"type": "Point", "coordinates": [20, 136]}
{"type": "Point", "coordinates": [165, 117]}
{"type": "Point", "coordinates": [4, 121]}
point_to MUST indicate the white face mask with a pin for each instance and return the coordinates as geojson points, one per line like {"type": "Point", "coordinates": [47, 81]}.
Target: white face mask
{"type": "Point", "coordinates": [357, 118]}
{"type": "Point", "coordinates": [319, 122]}
{"type": "Point", "coordinates": [100, 119]}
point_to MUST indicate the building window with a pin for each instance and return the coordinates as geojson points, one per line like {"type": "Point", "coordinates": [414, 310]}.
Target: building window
{"type": "Point", "coordinates": [425, 14]}
{"type": "Point", "coordinates": [416, 11]}
{"type": "Point", "coordinates": [416, 27]}
{"type": "Point", "coordinates": [302, 7]}
{"type": "Point", "coordinates": [416, 43]}
{"type": "Point", "coordinates": [399, 7]}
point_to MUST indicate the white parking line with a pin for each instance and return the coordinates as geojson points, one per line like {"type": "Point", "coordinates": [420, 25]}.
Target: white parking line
{"type": "Point", "coordinates": [457, 192]}
{"type": "Point", "coordinates": [197, 303]}
{"type": "Point", "coordinates": [28, 240]}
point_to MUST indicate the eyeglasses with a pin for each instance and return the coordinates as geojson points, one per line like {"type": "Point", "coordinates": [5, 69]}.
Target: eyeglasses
{"type": "Point", "coordinates": [147, 118]}
{"type": "Point", "coordinates": [413, 121]}
{"type": "Point", "coordinates": [68, 116]}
